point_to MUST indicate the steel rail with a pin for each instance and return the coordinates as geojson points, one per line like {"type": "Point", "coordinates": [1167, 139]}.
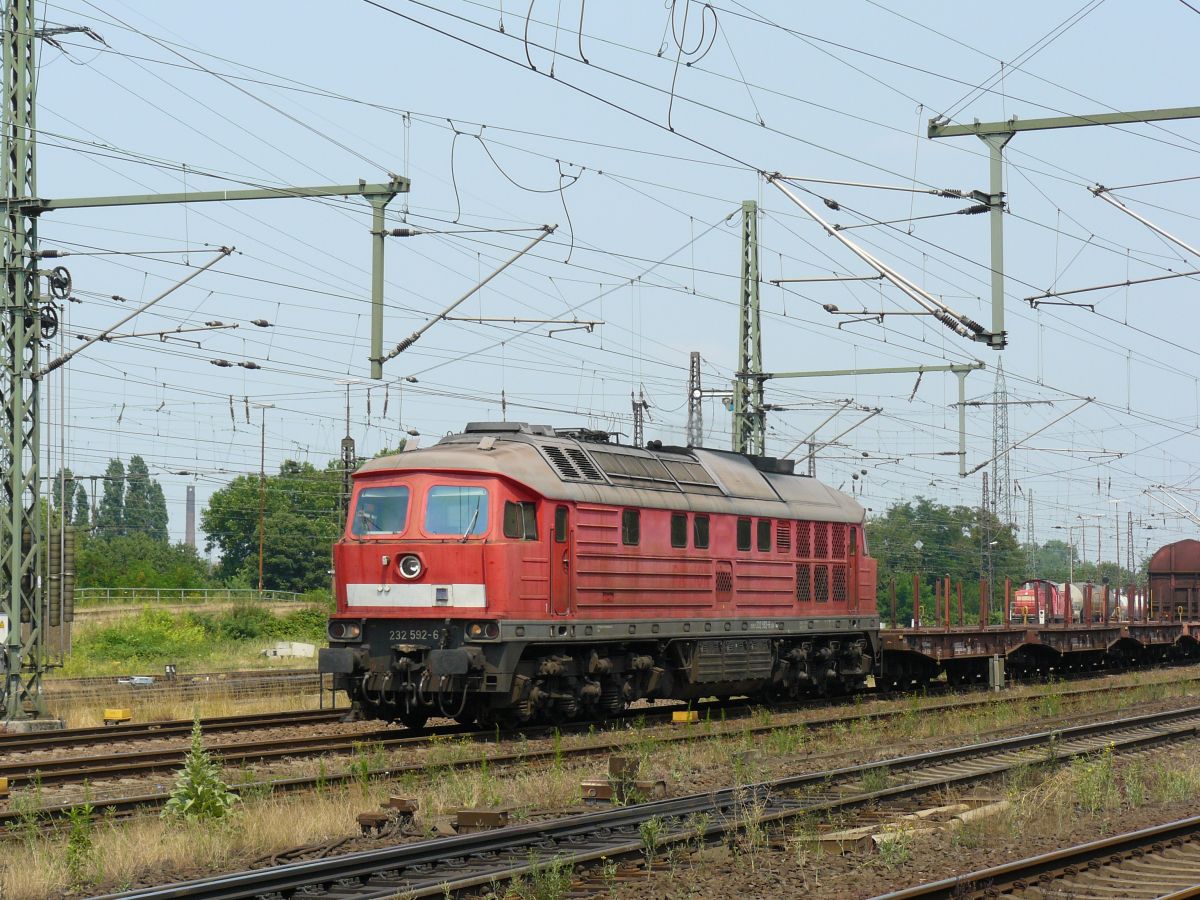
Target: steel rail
{"type": "Point", "coordinates": [59, 770]}
{"type": "Point", "coordinates": [448, 865]}
{"type": "Point", "coordinates": [133, 731]}
{"type": "Point", "coordinates": [1157, 862]}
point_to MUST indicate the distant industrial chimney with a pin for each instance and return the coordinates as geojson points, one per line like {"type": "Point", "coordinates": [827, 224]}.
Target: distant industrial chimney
{"type": "Point", "coordinates": [189, 528]}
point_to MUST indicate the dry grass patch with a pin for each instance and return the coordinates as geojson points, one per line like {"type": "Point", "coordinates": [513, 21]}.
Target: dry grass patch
{"type": "Point", "coordinates": [87, 708]}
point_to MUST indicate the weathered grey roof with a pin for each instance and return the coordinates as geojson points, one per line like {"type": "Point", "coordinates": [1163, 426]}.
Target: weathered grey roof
{"type": "Point", "coordinates": [563, 468]}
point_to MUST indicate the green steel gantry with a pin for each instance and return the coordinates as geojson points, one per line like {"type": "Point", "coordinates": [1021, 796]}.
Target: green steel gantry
{"type": "Point", "coordinates": [997, 135]}
{"type": "Point", "coordinates": [24, 656]}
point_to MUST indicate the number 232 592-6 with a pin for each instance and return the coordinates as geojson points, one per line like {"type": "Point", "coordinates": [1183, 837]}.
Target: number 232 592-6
{"type": "Point", "coordinates": [414, 634]}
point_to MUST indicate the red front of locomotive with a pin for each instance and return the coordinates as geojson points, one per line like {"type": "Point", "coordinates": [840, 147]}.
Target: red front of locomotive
{"type": "Point", "coordinates": [425, 545]}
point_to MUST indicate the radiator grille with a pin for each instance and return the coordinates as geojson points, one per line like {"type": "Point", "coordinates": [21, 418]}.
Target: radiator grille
{"type": "Point", "coordinates": [803, 583]}
{"type": "Point", "coordinates": [820, 540]}
{"type": "Point", "coordinates": [821, 583]}
{"type": "Point", "coordinates": [841, 545]}
{"type": "Point", "coordinates": [804, 539]}
{"type": "Point", "coordinates": [841, 591]}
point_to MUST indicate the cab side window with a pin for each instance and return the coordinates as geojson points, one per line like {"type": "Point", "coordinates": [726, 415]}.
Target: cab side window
{"type": "Point", "coordinates": [631, 527]}
{"type": "Point", "coordinates": [764, 535]}
{"type": "Point", "coordinates": [700, 532]}
{"type": "Point", "coordinates": [679, 529]}
{"type": "Point", "coordinates": [520, 521]}
{"type": "Point", "coordinates": [743, 534]}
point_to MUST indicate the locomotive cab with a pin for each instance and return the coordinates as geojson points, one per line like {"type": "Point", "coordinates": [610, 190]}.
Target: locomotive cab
{"type": "Point", "coordinates": [419, 557]}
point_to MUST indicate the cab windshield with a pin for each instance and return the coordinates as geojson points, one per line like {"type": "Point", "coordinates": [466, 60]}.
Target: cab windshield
{"type": "Point", "coordinates": [457, 510]}
{"type": "Point", "coordinates": [380, 510]}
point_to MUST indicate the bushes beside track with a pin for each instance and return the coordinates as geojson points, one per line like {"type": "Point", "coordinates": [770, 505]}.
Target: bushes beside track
{"type": "Point", "coordinates": [155, 636]}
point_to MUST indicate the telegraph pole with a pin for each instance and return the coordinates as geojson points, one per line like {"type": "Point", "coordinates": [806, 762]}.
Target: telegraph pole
{"type": "Point", "coordinates": [749, 414]}
{"type": "Point", "coordinates": [262, 490]}
{"type": "Point", "coordinates": [349, 452]}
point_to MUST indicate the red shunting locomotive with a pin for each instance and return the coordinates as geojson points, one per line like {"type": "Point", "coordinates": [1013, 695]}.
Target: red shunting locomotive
{"type": "Point", "coordinates": [516, 572]}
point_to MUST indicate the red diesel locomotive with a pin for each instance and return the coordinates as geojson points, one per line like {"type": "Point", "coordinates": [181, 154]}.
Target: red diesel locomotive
{"type": "Point", "coordinates": [514, 572]}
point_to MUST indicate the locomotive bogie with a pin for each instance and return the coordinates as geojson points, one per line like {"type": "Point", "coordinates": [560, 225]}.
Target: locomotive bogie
{"type": "Point", "coordinates": [515, 680]}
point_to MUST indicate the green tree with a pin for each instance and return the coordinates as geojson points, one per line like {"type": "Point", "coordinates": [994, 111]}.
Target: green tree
{"type": "Point", "coordinates": [82, 511]}
{"type": "Point", "coordinates": [136, 517]}
{"type": "Point", "coordinates": [138, 560]}
{"type": "Point", "coordinates": [110, 516]}
{"type": "Point", "coordinates": [931, 540]}
{"type": "Point", "coordinates": [158, 518]}
{"type": "Point", "coordinates": [64, 492]}
{"type": "Point", "coordinates": [301, 522]}
{"type": "Point", "coordinates": [1053, 560]}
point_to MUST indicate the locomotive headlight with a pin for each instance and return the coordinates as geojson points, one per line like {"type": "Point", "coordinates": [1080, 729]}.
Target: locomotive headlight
{"type": "Point", "coordinates": [483, 631]}
{"type": "Point", "coordinates": [344, 631]}
{"type": "Point", "coordinates": [410, 566]}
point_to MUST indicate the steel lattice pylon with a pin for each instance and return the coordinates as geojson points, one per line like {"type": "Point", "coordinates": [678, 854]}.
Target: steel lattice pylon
{"type": "Point", "coordinates": [749, 415]}
{"type": "Point", "coordinates": [1030, 541]}
{"type": "Point", "coordinates": [20, 531]}
{"type": "Point", "coordinates": [1001, 470]}
{"type": "Point", "coordinates": [1129, 544]}
{"type": "Point", "coordinates": [695, 421]}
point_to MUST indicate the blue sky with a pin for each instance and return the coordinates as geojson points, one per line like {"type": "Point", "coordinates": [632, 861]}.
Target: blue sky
{"type": "Point", "coordinates": [640, 155]}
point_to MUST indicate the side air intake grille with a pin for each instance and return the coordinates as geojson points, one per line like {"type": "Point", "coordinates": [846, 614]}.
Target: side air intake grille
{"type": "Point", "coordinates": [572, 464]}
{"type": "Point", "coordinates": [560, 462]}
{"type": "Point", "coordinates": [586, 468]}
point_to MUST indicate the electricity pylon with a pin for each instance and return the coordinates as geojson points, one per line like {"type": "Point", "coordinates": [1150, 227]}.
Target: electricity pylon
{"type": "Point", "coordinates": [1001, 467]}
{"type": "Point", "coordinates": [749, 414]}
{"type": "Point", "coordinates": [20, 333]}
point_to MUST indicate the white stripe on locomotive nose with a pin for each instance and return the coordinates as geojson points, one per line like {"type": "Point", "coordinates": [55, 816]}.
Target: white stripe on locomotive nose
{"type": "Point", "coordinates": [435, 596]}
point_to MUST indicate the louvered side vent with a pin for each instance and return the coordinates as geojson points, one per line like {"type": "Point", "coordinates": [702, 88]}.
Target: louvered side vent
{"type": "Point", "coordinates": [586, 468]}
{"type": "Point", "coordinates": [560, 461]}
{"type": "Point", "coordinates": [804, 539]}
{"type": "Point", "coordinates": [820, 540]}
{"type": "Point", "coordinates": [783, 537]}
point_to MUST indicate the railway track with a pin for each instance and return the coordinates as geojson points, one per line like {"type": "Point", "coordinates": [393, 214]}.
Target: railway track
{"type": "Point", "coordinates": [448, 866]}
{"type": "Point", "coordinates": [1153, 863]}
{"type": "Point", "coordinates": [65, 770]}
{"type": "Point", "coordinates": [176, 728]}
{"type": "Point", "coordinates": [249, 683]}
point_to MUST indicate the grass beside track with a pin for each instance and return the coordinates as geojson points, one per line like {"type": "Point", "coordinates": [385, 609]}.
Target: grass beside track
{"type": "Point", "coordinates": [465, 862]}
{"type": "Point", "coordinates": [269, 822]}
